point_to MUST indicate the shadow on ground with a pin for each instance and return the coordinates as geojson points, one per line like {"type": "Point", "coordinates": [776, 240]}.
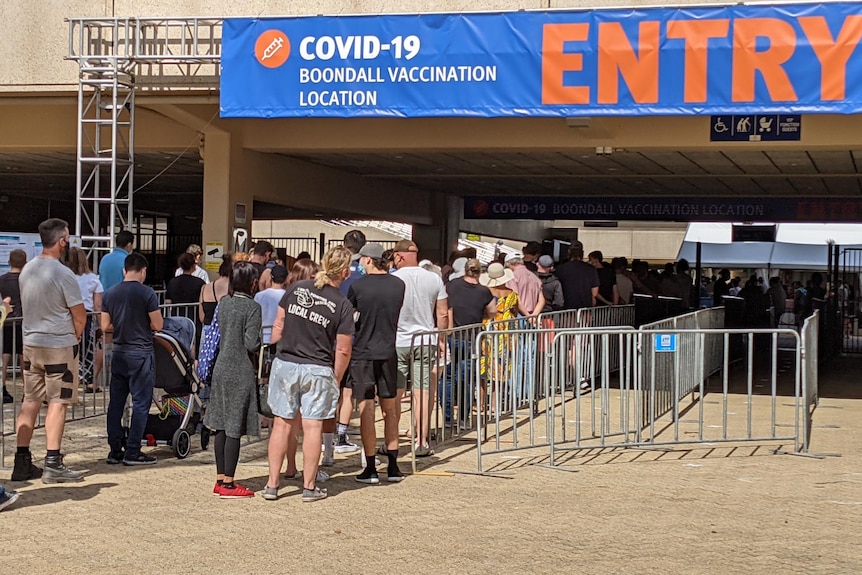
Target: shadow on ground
{"type": "Point", "coordinates": [60, 493]}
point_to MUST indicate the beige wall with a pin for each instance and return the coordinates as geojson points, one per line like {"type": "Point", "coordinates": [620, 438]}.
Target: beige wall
{"type": "Point", "coordinates": [34, 37]}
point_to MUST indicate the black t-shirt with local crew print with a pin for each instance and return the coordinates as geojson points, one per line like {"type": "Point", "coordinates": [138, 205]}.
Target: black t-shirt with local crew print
{"type": "Point", "coordinates": [378, 299]}
{"type": "Point", "coordinates": [312, 319]}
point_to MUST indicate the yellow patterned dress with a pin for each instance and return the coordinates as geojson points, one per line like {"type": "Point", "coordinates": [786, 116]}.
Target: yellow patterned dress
{"type": "Point", "coordinates": [498, 348]}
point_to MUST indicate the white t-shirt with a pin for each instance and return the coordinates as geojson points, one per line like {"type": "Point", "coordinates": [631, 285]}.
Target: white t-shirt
{"type": "Point", "coordinates": [198, 273]}
{"type": "Point", "coordinates": [90, 285]}
{"type": "Point", "coordinates": [268, 300]}
{"type": "Point", "coordinates": [423, 290]}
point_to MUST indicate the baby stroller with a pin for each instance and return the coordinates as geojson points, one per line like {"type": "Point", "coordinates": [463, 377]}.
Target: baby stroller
{"type": "Point", "coordinates": [180, 406]}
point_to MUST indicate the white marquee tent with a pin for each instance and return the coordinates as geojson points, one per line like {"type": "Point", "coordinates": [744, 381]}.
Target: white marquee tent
{"type": "Point", "coordinates": [796, 246]}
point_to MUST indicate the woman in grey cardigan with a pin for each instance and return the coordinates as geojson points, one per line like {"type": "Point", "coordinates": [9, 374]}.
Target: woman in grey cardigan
{"type": "Point", "coordinates": [232, 409]}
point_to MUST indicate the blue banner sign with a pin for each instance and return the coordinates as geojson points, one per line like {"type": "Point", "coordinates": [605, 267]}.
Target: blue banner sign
{"type": "Point", "coordinates": [679, 209]}
{"type": "Point", "coordinates": [755, 128]}
{"type": "Point", "coordinates": [761, 59]}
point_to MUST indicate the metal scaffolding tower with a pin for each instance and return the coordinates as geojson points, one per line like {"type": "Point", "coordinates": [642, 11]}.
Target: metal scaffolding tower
{"type": "Point", "coordinates": [118, 57]}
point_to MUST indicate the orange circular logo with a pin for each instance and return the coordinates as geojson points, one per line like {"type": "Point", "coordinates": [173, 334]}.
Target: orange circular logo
{"type": "Point", "coordinates": [272, 48]}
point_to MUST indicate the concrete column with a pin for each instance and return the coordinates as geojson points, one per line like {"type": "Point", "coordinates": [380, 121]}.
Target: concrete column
{"type": "Point", "coordinates": [436, 240]}
{"type": "Point", "coordinates": [224, 188]}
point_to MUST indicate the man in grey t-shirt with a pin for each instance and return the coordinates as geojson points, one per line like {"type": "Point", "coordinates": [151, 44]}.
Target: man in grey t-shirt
{"type": "Point", "coordinates": [54, 319]}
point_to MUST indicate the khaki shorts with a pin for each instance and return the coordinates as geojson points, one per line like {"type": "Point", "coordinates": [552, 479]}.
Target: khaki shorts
{"type": "Point", "coordinates": [51, 374]}
{"type": "Point", "coordinates": [421, 360]}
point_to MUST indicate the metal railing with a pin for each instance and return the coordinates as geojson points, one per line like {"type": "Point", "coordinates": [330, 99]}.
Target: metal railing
{"type": "Point", "coordinates": [811, 385]}
{"type": "Point", "coordinates": [746, 412]}
{"type": "Point", "coordinates": [680, 374]}
{"type": "Point", "coordinates": [186, 40]}
{"type": "Point", "coordinates": [93, 370]}
{"type": "Point", "coordinates": [621, 409]}
{"type": "Point", "coordinates": [446, 360]}
{"type": "Point", "coordinates": [294, 245]}
{"type": "Point", "coordinates": [387, 244]}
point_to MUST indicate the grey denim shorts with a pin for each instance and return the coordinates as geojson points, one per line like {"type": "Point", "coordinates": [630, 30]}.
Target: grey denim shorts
{"type": "Point", "coordinates": [310, 390]}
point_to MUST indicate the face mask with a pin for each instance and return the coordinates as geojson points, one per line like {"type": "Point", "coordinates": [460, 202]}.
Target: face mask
{"type": "Point", "coordinates": [362, 271]}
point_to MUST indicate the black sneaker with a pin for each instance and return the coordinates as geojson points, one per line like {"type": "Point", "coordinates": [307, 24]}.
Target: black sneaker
{"type": "Point", "coordinates": [57, 472]}
{"type": "Point", "coordinates": [368, 476]}
{"type": "Point", "coordinates": [115, 457]}
{"type": "Point", "coordinates": [7, 397]}
{"type": "Point", "coordinates": [24, 469]}
{"type": "Point", "coordinates": [139, 459]}
{"type": "Point", "coordinates": [394, 475]}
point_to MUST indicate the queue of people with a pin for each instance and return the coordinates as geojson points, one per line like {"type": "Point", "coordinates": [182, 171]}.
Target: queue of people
{"type": "Point", "coordinates": [354, 328]}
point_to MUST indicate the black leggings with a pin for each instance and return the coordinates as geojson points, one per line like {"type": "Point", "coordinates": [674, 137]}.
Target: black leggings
{"type": "Point", "coordinates": [226, 453]}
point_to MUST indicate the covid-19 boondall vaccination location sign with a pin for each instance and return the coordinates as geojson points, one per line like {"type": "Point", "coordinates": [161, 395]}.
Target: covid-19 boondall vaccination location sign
{"type": "Point", "coordinates": [803, 58]}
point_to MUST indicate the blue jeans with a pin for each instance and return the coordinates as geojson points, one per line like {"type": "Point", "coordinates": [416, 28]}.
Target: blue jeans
{"type": "Point", "coordinates": [132, 372]}
{"type": "Point", "coordinates": [525, 366]}
{"type": "Point", "coordinates": [459, 374]}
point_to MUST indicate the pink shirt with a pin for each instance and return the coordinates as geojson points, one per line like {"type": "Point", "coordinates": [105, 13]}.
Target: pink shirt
{"type": "Point", "coordinates": [528, 286]}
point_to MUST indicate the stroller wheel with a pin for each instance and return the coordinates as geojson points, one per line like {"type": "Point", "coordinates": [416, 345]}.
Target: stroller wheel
{"type": "Point", "coordinates": [181, 443]}
{"type": "Point", "coordinates": [205, 438]}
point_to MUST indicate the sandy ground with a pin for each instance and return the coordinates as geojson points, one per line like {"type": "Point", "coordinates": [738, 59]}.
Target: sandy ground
{"type": "Point", "coordinates": [710, 509]}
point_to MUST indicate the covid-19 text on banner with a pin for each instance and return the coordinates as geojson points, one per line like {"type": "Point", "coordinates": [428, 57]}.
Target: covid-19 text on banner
{"type": "Point", "coordinates": [731, 60]}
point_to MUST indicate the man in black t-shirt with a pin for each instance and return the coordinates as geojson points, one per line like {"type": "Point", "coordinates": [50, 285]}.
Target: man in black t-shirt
{"type": "Point", "coordinates": [377, 298]}
{"type": "Point", "coordinates": [721, 289]}
{"type": "Point", "coordinates": [608, 294]}
{"type": "Point", "coordinates": [469, 304]}
{"type": "Point", "coordinates": [579, 279]}
{"type": "Point", "coordinates": [131, 311]}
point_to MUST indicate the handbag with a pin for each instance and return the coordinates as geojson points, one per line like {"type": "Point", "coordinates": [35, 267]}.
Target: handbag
{"type": "Point", "coordinates": [264, 364]}
{"type": "Point", "coordinates": [209, 350]}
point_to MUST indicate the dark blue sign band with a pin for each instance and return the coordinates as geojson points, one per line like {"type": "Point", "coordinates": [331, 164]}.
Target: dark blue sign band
{"type": "Point", "coordinates": [678, 209]}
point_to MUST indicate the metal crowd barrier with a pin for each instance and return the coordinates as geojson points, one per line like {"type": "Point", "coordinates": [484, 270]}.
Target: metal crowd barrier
{"type": "Point", "coordinates": [89, 404]}
{"type": "Point", "coordinates": [679, 374]}
{"type": "Point", "coordinates": [810, 343]}
{"type": "Point", "coordinates": [603, 316]}
{"type": "Point", "coordinates": [623, 408]}
{"type": "Point", "coordinates": [744, 413]}
{"type": "Point", "coordinates": [446, 360]}
{"type": "Point", "coordinates": [510, 409]}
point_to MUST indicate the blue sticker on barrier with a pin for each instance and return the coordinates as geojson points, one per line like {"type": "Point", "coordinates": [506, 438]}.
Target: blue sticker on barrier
{"type": "Point", "coordinates": [665, 342]}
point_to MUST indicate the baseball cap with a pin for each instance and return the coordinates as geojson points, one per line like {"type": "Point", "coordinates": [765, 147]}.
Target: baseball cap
{"type": "Point", "coordinates": [458, 267]}
{"type": "Point", "coordinates": [514, 256]}
{"type": "Point", "coordinates": [577, 245]}
{"type": "Point", "coordinates": [279, 273]}
{"type": "Point", "coordinates": [372, 250]}
{"type": "Point", "coordinates": [546, 261]}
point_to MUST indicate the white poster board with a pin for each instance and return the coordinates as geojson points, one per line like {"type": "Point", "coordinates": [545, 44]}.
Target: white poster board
{"type": "Point", "coordinates": [30, 243]}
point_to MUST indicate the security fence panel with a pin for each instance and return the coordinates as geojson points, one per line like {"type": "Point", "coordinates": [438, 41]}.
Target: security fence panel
{"type": "Point", "coordinates": [293, 246]}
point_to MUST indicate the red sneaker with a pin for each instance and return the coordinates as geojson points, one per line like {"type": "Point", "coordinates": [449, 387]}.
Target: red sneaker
{"type": "Point", "coordinates": [217, 489]}
{"type": "Point", "coordinates": [236, 492]}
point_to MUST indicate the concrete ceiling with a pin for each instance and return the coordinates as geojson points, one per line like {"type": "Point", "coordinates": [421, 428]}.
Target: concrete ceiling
{"type": "Point", "coordinates": [622, 173]}
{"type": "Point", "coordinates": [172, 182]}
{"type": "Point", "coordinates": [51, 175]}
